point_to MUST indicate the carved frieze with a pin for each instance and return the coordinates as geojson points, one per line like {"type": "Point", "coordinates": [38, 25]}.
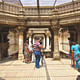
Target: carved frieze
{"type": "Point", "coordinates": [10, 14]}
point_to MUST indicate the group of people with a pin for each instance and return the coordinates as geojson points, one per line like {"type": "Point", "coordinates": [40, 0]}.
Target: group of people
{"type": "Point", "coordinates": [75, 52]}
{"type": "Point", "coordinates": [33, 53]}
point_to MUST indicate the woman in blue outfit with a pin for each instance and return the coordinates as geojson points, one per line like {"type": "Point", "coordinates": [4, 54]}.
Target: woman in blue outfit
{"type": "Point", "coordinates": [75, 48]}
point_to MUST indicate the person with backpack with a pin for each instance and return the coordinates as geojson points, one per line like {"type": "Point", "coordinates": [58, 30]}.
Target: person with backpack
{"type": "Point", "coordinates": [37, 52]}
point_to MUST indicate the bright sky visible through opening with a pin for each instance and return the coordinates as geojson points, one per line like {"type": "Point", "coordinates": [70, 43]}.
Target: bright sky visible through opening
{"type": "Point", "coordinates": [43, 2]}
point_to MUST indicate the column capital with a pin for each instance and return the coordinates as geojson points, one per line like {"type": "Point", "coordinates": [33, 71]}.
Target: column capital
{"type": "Point", "coordinates": [29, 33]}
{"type": "Point", "coordinates": [47, 33]}
{"type": "Point", "coordinates": [12, 30]}
{"type": "Point", "coordinates": [56, 29]}
{"type": "Point", "coordinates": [20, 28]}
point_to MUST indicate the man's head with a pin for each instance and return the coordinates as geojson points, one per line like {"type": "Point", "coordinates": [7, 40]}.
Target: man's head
{"type": "Point", "coordinates": [38, 39]}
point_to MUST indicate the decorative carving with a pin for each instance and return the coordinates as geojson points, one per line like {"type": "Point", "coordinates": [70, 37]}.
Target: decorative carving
{"type": "Point", "coordinates": [47, 33]}
{"type": "Point", "coordinates": [29, 33]}
{"type": "Point", "coordinates": [20, 28]}
{"type": "Point", "coordinates": [13, 46]}
{"type": "Point", "coordinates": [13, 12]}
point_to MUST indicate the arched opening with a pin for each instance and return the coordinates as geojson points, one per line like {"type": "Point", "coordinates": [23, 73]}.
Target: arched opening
{"type": "Point", "coordinates": [44, 34]}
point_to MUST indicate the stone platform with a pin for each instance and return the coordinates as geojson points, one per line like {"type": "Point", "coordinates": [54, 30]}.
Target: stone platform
{"type": "Point", "coordinates": [51, 70]}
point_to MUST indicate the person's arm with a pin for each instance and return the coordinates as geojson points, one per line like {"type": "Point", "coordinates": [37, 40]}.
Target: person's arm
{"type": "Point", "coordinates": [72, 48]}
{"type": "Point", "coordinates": [40, 46]}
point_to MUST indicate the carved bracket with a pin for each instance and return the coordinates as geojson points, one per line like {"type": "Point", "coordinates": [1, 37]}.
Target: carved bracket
{"type": "Point", "coordinates": [20, 29]}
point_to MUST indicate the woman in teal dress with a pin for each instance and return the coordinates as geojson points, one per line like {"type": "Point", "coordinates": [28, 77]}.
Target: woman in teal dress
{"type": "Point", "coordinates": [75, 48]}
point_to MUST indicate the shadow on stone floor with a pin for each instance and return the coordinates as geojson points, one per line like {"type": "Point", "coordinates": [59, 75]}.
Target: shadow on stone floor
{"type": "Point", "coordinates": [7, 60]}
{"type": "Point", "coordinates": [1, 78]}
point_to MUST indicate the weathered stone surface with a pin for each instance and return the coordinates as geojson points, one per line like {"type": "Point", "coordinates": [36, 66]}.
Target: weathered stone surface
{"type": "Point", "coordinates": [13, 43]}
{"type": "Point", "coordinates": [17, 2]}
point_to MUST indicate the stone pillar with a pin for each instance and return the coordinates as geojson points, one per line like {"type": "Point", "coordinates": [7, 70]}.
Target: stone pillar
{"type": "Point", "coordinates": [20, 54]}
{"type": "Point", "coordinates": [33, 41]}
{"type": "Point", "coordinates": [12, 42]}
{"type": "Point", "coordinates": [55, 27]}
{"type": "Point", "coordinates": [44, 42]}
{"type": "Point", "coordinates": [29, 41]}
{"type": "Point", "coordinates": [79, 37]}
{"type": "Point", "coordinates": [56, 54]}
{"type": "Point", "coordinates": [30, 35]}
{"type": "Point", "coordinates": [1, 46]}
{"type": "Point", "coordinates": [78, 33]}
{"type": "Point", "coordinates": [47, 40]}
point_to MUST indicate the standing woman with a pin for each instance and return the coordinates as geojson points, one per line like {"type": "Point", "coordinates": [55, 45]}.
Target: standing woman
{"type": "Point", "coordinates": [27, 52]}
{"type": "Point", "coordinates": [76, 52]}
{"type": "Point", "coordinates": [76, 55]}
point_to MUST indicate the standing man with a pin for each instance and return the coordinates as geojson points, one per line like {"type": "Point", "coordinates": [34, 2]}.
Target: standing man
{"type": "Point", "coordinates": [37, 52]}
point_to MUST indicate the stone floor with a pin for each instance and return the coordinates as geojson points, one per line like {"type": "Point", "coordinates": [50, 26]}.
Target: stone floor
{"type": "Point", "coordinates": [51, 70]}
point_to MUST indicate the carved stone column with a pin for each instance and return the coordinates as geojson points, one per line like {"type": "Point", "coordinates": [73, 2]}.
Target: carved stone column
{"type": "Point", "coordinates": [78, 33]}
{"type": "Point", "coordinates": [44, 42]}
{"type": "Point", "coordinates": [30, 34]}
{"type": "Point", "coordinates": [1, 46]}
{"type": "Point", "coordinates": [79, 37]}
{"type": "Point", "coordinates": [20, 54]}
{"type": "Point", "coordinates": [12, 42]}
{"type": "Point", "coordinates": [47, 39]}
{"type": "Point", "coordinates": [56, 54]}
{"type": "Point", "coordinates": [55, 27]}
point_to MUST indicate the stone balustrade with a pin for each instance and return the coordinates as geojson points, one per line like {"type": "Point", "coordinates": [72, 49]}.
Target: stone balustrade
{"type": "Point", "coordinates": [9, 8]}
{"type": "Point", "coordinates": [44, 11]}
{"type": "Point", "coordinates": [13, 12]}
{"type": "Point", "coordinates": [32, 11]}
{"type": "Point", "coordinates": [68, 7]}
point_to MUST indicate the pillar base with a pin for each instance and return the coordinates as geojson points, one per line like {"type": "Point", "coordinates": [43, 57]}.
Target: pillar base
{"type": "Point", "coordinates": [56, 56]}
{"type": "Point", "coordinates": [20, 56]}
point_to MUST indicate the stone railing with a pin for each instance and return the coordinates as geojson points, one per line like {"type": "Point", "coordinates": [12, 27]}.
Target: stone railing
{"type": "Point", "coordinates": [44, 11]}
{"type": "Point", "coordinates": [68, 7]}
{"type": "Point", "coordinates": [9, 8]}
{"type": "Point", "coordinates": [47, 11]}
{"type": "Point", "coordinates": [29, 11]}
